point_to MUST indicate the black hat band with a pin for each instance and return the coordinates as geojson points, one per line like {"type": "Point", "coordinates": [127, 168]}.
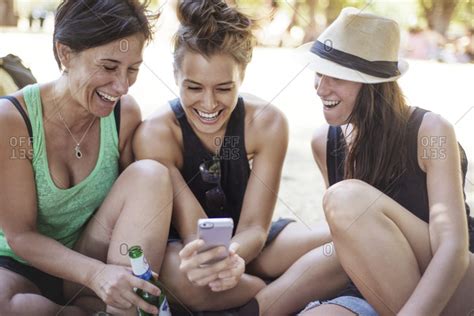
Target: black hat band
{"type": "Point", "coordinates": [380, 69]}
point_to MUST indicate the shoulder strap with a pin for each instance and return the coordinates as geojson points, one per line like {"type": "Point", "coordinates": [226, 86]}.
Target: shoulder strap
{"type": "Point", "coordinates": [17, 104]}
{"type": "Point", "coordinates": [335, 155]}
{"type": "Point", "coordinates": [117, 117]}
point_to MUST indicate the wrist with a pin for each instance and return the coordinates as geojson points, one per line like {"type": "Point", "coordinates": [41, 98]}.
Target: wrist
{"type": "Point", "coordinates": [92, 269]}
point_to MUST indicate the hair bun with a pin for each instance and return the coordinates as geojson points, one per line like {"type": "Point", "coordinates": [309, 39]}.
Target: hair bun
{"type": "Point", "coordinates": [210, 26]}
{"type": "Point", "coordinates": [201, 16]}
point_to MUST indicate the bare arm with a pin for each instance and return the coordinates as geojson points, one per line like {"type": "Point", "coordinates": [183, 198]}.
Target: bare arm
{"type": "Point", "coordinates": [447, 227]}
{"type": "Point", "coordinates": [269, 133]}
{"type": "Point", "coordinates": [130, 120]}
{"type": "Point", "coordinates": [18, 210]}
{"type": "Point", "coordinates": [318, 146]}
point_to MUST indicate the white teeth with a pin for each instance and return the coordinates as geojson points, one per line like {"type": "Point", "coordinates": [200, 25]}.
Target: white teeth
{"type": "Point", "coordinates": [107, 97]}
{"type": "Point", "coordinates": [330, 103]}
{"type": "Point", "coordinates": [208, 116]}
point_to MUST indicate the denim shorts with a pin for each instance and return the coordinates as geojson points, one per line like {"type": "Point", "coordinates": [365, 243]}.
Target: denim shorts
{"type": "Point", "coordinates": [354, 304]}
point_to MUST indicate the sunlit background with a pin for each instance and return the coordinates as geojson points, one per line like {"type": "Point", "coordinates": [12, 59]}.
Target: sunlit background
{"type": "Point", "coordinates": [437, 40]}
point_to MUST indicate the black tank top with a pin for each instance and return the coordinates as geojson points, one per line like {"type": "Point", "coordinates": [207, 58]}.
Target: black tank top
{"type": "Point", "coordinates": [409, 190]}
{"type": "Point", "coordinates": [235, 167]}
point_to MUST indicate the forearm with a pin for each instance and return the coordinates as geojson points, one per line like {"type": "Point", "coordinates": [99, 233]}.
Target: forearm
{"type": "Point", "coordinates": [251, 242]}
{"type": "Point", "coordinates": [52, 257]}
{"type": "Point", "coordinates": [438, 283]}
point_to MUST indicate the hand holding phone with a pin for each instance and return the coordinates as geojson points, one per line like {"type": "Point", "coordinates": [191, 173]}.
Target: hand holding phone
{"type": "Point", "coordinates": [215, 232]}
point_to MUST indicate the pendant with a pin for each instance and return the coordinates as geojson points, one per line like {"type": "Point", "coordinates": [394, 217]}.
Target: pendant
{"type": "Point", "coordinates": [78, 152]}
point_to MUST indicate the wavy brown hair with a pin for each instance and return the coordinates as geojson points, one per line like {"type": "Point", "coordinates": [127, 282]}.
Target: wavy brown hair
{"type": "Point", "coordinates": [211, 27]}
{"type": "Point", "coordinates": [378, 154]}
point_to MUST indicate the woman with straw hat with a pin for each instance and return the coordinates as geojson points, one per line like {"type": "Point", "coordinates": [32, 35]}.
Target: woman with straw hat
{"type": "Point", "coordinates": [395, 203]}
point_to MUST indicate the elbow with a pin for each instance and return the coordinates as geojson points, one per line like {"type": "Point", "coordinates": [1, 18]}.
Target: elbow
{"type": "Point", "coordinates": [459, 251]}
{"type": "Point", "coordinates": [17, 242]}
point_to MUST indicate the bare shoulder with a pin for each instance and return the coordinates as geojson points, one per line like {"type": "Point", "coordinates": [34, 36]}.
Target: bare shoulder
{"type": "Point", "coordinates": [159, 137]}
{"type": "Point", "coordinates": [263, 116]}
{"type": "Point", "coordinates": [130, 114]}
{"type": "Point", "coordinates": [11, 121]}
{"type": "Point", "coordinates": [434, 124]}
{"type": "Point", "coordinates": [436, 138]}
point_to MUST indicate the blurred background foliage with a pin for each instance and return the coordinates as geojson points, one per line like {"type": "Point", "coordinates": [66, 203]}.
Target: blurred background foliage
{"type": "Point", "coordinates": [444, 25]}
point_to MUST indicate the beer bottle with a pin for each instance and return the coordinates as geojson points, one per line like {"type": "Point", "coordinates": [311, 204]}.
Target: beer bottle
{"type": "Point", "coordinates": [141, 269]}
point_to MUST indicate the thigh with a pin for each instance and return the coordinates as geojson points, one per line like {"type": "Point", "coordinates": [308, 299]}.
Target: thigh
{"type": "Point", "coordinates": [352, 206]}
{"type": "Point", "coordinates": [294, 241]}
{"type": "Point", "coordinates": [13, 283]}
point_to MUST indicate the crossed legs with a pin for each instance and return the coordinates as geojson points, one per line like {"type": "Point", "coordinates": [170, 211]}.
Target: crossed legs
{"type": "Point", "coordinates": [384, 248]}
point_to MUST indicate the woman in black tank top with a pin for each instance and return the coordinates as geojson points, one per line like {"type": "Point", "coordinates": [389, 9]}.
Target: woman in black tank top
{"type": "Point", "coordinates": [395, 202]}
{"type": "Point", "coordinates": [210, 127]}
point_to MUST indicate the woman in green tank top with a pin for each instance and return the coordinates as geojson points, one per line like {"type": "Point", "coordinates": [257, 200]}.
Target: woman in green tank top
{"type": "Point", "coordinates": [73, 199]}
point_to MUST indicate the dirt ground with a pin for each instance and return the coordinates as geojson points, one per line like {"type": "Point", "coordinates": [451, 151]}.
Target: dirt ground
{"type": "Point", "coordinates": [274, 75]}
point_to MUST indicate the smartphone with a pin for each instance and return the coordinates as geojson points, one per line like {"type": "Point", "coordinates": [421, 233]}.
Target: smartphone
{"type": "Point", "coordinates": [215, 232]}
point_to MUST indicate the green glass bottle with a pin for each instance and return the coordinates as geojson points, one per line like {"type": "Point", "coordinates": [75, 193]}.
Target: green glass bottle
{"type": "Point", "coordinates": [141, 269]}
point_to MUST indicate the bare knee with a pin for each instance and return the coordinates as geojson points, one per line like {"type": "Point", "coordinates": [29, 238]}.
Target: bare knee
{"type": "Point", "coordinates": [342, 204]}
{"type": "Point", "coordinates": [150, 172]}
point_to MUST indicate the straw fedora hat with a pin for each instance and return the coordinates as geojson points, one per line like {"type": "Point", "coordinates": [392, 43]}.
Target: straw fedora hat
{"type": "Point", "coordinates": [358, 47]}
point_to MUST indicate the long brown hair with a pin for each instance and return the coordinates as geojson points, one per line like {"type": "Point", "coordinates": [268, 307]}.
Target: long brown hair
{"type": "Point", "coordinates": [211, 27]}
{"type": "Point", "coordinates": [378, 154]}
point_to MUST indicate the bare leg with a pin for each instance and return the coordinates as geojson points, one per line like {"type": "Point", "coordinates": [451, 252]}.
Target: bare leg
{"type": "Point", "coordinates": [194, 298]}
{"type": "Point", "coordinates": [306, 265]}
{"type": "Point", "coordinates": [137, 211]}
{"type": "Point", "coordinates": [18, 296]}
{"type": "Point", "coordinates": [384, 248]}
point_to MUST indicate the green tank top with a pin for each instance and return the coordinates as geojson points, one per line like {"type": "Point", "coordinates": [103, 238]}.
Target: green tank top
{"type": "Point", "coordinates": [63, 213]}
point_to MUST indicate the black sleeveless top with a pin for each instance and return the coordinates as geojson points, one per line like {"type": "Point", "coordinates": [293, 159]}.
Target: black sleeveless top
{"type": "Point", "coordinates": [235, 167]}
{"type": "Point", "coordinates": [409, 190]}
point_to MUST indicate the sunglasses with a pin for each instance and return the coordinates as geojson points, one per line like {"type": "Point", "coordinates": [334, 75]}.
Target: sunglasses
{"type": "Point", "coordinates": [211, 173]}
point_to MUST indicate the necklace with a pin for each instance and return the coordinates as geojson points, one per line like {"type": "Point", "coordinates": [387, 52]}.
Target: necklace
{"type": "Point", "coordinates": [77, 149]}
